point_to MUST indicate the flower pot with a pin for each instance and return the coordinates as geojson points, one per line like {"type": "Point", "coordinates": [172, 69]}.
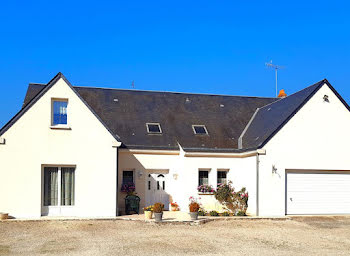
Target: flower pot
{"type": "Point", "coordinates": [158, 216]}
{"type": "Point", "coordinates": [174, 208]}
{"type": "Point", "coordinates": [194, 215]}
{"type": "Point", "coordinates": [148, 215]}
{"type": "Point", "coordinates": [4, 216]}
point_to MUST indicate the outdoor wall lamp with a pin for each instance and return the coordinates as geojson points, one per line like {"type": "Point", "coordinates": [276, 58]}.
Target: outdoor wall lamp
{"type": "Point", "coordinates": [140, 173]}
{"type": "Point", "coordinates": [274, 169]}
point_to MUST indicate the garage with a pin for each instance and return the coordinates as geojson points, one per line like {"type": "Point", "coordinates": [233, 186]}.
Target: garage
{"type": "Point", "coordinates": [318, 192]}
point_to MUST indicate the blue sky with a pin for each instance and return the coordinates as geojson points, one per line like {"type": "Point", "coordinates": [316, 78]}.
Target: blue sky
{"type": "Point", "coordinates": [188, 46]}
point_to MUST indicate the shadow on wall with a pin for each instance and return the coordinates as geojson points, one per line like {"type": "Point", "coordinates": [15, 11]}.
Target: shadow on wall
{"type": "Point", "coordinates": [151, 185]}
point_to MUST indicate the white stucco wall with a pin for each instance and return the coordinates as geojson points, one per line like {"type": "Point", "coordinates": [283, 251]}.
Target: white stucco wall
{"type": "Point", "coordinates": [30, 144]}
{"type": "Point", "coordinates": [316, 138]}
{"type": "Point", "coordinates": [242, 172]}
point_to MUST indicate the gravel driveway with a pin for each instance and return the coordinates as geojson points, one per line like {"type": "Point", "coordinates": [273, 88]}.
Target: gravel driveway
{"type": "Point", "coordinates": [300, 236]}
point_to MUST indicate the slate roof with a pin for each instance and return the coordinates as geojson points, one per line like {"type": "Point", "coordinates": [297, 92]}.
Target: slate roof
{"type": "Point", "coordinates": [269, 119]}
{"type": "Point", "coordinates": [125, 113]}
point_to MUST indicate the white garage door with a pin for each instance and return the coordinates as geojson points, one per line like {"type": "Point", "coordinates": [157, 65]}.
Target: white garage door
{"type": "Point", "coordinates": [318, 192]}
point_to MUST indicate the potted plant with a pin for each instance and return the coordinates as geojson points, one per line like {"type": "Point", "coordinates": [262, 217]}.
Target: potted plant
{"type": "Point", "coordinates": [148, 212]}
{"type": "Point", "coordinates": [158, 211]}
{"type": "Point", "coordinates": [174, 206]}
{"type": "Point", "coordinates": [4, 216]}
{"type": "Point", "coordinates": [194, 208]}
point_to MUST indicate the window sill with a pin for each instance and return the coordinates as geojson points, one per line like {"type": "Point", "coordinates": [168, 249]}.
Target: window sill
{"type": "Point", "coordinates": [205, 193]}
{"type": "Point", "coordinates": [60, 127]}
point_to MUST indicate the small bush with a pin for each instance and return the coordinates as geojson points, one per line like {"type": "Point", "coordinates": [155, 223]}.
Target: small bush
{"type": "Point", "coordinates": [214, 213]}
{"type": "Point", "coordinates": [202, 212]}
{"type": "Point", "coordinates": [158, 207]}
{"type": "Point", "coordinates": [225, 214]}
{"type": "Point", "coordinates": [241, 213]}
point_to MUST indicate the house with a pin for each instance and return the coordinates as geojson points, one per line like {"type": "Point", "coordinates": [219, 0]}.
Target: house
{"type": "Point", "coordinates": [70, 149]}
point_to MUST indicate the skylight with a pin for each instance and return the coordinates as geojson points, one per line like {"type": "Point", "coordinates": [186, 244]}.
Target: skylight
{"type": "Point", "coordinates": [153, 128]}
{"type": "Point", "coordinates": [200, 129]}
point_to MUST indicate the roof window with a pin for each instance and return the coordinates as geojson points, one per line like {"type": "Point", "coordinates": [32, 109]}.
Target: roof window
{"type": "Point", "coordinates": [153, 128]}
{"type": "Point", "coordinates": [200, 129]}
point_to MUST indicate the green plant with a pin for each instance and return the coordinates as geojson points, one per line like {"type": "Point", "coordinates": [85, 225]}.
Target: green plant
{"type": "Point", "coordinates": [226, 213]}
{"type": "Point", "coordinates": [158, 207]}
{"type": "Point", "coordinates": [202, 212]}
{"type": "Point", "coordinates": [241, 213]}
{"type": "Point", "coordinates": [214, 213]}
{"type": "Point", "coordinates": [231, 200]}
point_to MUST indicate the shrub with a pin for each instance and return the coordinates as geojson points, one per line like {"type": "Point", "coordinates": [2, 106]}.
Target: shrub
{"type": "Point", "coordinates": [205, 189]}
{"type": "Point", "coordinates": [158, 207]}
{"type": "Point", "coordinates": [241, 213]}
{"type": "Point", "coordinates": [202, 212]}
{"type": "Point", "coordinates": [231, 200]}
{"type": "Point", "coordinates": [226, 214]}
{"type": "Point", "coordinates": [214, 213]}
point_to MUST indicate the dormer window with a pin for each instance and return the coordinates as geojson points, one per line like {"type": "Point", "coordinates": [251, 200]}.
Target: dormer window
{"type": "Point", "coordinates": [153, 128]}
{"type": "Point", "coordinates": [200, 129]}
{"type": "Point", "coordinates": [59, 112]}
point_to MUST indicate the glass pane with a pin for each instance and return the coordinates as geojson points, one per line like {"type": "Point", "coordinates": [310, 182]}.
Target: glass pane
{"type": "Point", "coordinates": [203, 178]}
{"type": "Point", "coordinates": [222, 177]}
{"type": "Point", "coordinates": [60, 112]}
{"type": "Point", "coordinates": [154, 128]}
{"type": "Point", "coordinates": [128, 177]}
{"type": "Point", "coordinates": [67, 186]}
{"type": "Point", "coordinates": [200, 130]}
{"type": "Point", "coordinates": [50, 186]}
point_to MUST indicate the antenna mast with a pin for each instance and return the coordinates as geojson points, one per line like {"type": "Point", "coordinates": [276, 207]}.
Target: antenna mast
{"type": "Point", "coordinates": [275, 67]}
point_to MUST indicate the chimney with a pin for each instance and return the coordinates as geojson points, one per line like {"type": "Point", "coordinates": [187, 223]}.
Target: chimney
{"type": "Point", "coordinates": [282, 94]}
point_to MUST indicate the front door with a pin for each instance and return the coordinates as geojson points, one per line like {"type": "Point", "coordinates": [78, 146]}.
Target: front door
{"type": "Point", "coordinates": [156, 190]}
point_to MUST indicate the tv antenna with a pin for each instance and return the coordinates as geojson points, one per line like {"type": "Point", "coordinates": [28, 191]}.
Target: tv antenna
{"type": "Point", "coordinates": [276, 68]}
{"type": "Point", "coordinates": [133, 84]}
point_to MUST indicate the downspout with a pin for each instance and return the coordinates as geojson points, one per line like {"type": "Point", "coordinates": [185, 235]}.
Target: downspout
{"type": "Point", "coordinates": [257, 184]}
{"type": "Point", "coordinates": [117, 189]}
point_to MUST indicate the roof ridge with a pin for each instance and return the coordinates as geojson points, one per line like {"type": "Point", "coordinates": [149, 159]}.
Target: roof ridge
{"type": "Point", "coordinates": [188, 93]}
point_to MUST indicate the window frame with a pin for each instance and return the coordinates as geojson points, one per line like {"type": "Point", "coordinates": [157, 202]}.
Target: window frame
{"type": "Point", "coordinates": [203, 170]}
{"type": "Point", "coordinates": [52, 124]}
{"type": "Point", "coordinates": [217, 175]}
{"type": "Point", "coordinates": [59, 186]}
{"type": "Point", "coordinates": [150, 132]}
{"type": "Point", "coordinates": [200, 125]}
{"type": "Point", "coordinates": [133, 176]}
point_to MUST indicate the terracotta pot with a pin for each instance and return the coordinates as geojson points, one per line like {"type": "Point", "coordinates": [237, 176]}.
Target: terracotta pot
{"type": "Point", "coordinates": [158, 216]}
{"type": "Point", "coordinates": [194, 215]}
{"type": "Point", "coordinates": [174, 208]}
{"type": "Point", "coordinates": [4, 216]}
{"type": "Point", "coordinates": [148, 215]}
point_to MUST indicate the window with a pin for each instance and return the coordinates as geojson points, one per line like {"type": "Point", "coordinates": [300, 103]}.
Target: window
{"type": "Point", "coordinates": [153, 128]}
{"type": "Point", "coordinates": [59, 186]}
{"type": "Point", "coordinates": [200, 129]}
{"type": "Point", "coordinates": [59, 112]}
{"type": "Point", "coordinates": [128, 177]}
{"type": "Point", "coordinates": [222, 177]}
{"type": "Point", "coordinates": [203, 178]}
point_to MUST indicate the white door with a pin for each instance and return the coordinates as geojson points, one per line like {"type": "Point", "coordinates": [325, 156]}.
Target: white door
{"type": "Point", "coordinates": [318, 192]}
{"type": "Point", "coordinates": [156, 190]}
